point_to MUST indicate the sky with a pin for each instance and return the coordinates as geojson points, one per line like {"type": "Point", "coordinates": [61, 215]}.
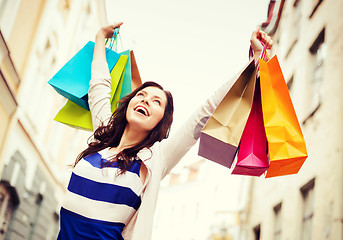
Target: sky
{"type": "Point", "coordinates": [190, 47]}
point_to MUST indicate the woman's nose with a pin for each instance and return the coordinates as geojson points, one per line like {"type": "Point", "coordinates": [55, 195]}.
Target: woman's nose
{"type": "Point", "coordinates": [145, 101]}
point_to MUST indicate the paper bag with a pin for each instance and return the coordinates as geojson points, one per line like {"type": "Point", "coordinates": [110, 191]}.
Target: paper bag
{"type": "Point", "coordinates": [220, 137]}
{"type": "Point", "coordinates": [252, 156]}
{"type": "Point", "coordinates": [78, 117]}
{"type": "Point", "coordinates": [72, 80]}
{"type": "Point", "coordinates": [286, 144]}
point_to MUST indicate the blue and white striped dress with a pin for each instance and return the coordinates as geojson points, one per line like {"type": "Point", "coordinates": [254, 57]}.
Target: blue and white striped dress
{"type": "Point", "coordinates": [99, 203]}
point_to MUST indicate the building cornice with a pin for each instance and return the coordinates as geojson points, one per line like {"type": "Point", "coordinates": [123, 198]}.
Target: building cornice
{"type": "Point", "coordinates": [274, 15]}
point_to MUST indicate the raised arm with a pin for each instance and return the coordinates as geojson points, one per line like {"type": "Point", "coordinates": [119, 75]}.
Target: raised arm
{"type": "Point", "coordinates": [99, 93]}
{"type": "Point", "coordinates": [177, 145]}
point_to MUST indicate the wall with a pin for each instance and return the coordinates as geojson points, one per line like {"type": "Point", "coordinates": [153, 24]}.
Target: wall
{"type": "Point", "coordinates": [318, 102]}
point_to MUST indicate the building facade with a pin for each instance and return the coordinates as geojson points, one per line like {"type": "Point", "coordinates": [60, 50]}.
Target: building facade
{"type": "Point", "coordinates": [201, 201]}
{"type": "Point", "coordinates": [37, 38]}
{"type": "Point", "coordinates": [308, 41]}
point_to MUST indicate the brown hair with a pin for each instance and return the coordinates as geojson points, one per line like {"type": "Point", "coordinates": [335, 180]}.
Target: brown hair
{"type": "Point", "coordinates": [109, 135]}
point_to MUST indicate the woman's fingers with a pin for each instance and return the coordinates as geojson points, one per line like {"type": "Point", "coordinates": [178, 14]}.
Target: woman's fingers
{"type": "Point", "coordinates": [254, 41]}
{"type": "Point", "coordinates": [265, 38]}
{"type": "Point", "coordinates": [269, 42]}
{"type": "Point", "coordinates": [254, 33]}
{"type": "Point", "coordinates": [258, 39]}
{"type": "Point", "coordinates": [117, 24]}
{"type": "Point", "coordinates": [108, 31]}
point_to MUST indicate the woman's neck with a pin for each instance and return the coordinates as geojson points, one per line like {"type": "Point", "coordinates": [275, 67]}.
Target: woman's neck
{"type": "Point", "coordinates": [129, 138]}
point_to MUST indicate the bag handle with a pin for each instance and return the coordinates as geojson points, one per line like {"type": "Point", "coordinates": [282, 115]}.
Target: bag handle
{"type": "Point", "coordinates": [114, 40]}
{"type": "Point", "coordinates": [263, 54]}
{"type": "Point", "coordinates": [264, 51]}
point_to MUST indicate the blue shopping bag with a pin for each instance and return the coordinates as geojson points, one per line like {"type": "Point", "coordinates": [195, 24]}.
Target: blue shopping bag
{"type": "Point", "coordinates": [72, 80]}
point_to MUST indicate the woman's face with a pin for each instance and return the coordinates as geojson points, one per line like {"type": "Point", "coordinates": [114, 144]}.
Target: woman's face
{"type": "Point", "coordinates": [146, 109]}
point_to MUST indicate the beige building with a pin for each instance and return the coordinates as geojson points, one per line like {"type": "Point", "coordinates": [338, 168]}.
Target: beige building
{"type": "Point", "coordinates": [37, 38]}
{"type": "Point", "coordinates": [308, 40]}
{"type": "Point", "coordinates": [201, 201]}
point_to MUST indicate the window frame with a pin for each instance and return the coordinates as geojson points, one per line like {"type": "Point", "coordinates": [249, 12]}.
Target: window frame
{"type": "Point", "coordinates": [315, 98]}
{"type": "Point", "coordinates": [277, 221]}
{"type": "Point", "coordinates": [307, 193]}
{"type": "Point", "coordinates": [315, 7]}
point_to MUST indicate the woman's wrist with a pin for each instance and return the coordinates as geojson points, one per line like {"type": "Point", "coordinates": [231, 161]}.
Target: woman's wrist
{"type": "Point", "coordinates": [100, 34]}
{"type": "Point", "coordinates": [257, 54]}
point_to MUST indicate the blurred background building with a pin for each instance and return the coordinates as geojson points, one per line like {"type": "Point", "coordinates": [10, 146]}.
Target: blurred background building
{"type": "Point", "coordinates": [202, 200]}
{"type": "Point", "coordinates": [308, 41]}
{"type": "Point", "coordinates": [36, 38]}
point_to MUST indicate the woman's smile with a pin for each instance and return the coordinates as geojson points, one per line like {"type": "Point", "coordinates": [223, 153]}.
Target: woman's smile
{"type": "Point", "coordinates": [142, 110]}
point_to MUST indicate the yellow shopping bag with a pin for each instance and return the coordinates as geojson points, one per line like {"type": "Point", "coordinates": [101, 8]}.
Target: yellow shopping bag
{"type": "Point", "coordinates": [75, 116]}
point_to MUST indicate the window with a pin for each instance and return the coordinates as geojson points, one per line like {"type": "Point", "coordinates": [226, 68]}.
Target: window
{"type": "Point", "coordinates": [297, 18]}
{"type": "Point", "coordinates": [64, 8]}
{"type": "Point", "coordinates": [290, 85]}
{"type": "Point", "coordinates": [295, 26]}
{"type": "Point", "coordinates": [308, 210]}
{"type": "Point", "coordinates": [8, 13]}
{"type": "Point", "coordinates": [6, 209]}
{"type": "Point", "coordinates": [257, 232]}
{"type": "Point", "coordinates": [7, 99]}
{"type": "Point", "coordinates": [316, 70]}
{"type": "Point", "coordinates": [277, 222]}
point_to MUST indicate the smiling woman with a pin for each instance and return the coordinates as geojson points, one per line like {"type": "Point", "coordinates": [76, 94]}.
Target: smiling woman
{"type": "Point", "coordinates": [138, 122]}
{"type": "Point", "coordinates": [113, 189]}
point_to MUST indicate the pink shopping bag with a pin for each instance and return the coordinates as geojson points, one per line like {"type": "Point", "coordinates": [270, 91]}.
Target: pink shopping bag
{"type": "Point", "coordinates": [252, 156]}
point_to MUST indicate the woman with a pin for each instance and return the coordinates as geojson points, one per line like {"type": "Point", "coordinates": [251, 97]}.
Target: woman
{"type": "Point", "coordinates": [113, 189]}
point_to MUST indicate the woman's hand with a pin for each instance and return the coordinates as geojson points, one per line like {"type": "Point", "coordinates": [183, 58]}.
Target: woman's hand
{"type": "Point", "coordinates": [107, 31]}
{"type": "Point", "coordinates": [257, 37]}
{"type": "Point", "coordinates": [99, 47]}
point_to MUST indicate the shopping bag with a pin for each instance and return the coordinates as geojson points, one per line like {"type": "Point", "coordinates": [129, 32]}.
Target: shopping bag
{"type": "Point", "coordinates": [75, 116]}
{"type": "Point", "coordinates": [72, 80]}
{"type": "Point", "coordinates": [78, 117]}
{"type": "Point", "coordinates": [117, 76]}
{"type": "Point", "coordinates": [220, 137]}
{"type": "Point", "coordinates": [126, 82]}
{"type": "Point", "coordinates": [252, 156]}
{"type": "Point", "coordinates": [131, 73]}
{"type": "Point", "coordinates": [135, 76]}
{"type": "Point", "coordinates": [286, 144]}
{"type": "Point", "coordinates": [129, 81]}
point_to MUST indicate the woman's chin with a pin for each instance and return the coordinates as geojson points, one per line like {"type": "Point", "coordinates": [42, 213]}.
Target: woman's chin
{"type": "Point", "coordinates": [139, 126]}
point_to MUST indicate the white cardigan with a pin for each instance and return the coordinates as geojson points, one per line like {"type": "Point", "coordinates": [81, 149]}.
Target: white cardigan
{"type": "Point", "coordinates": [163, 156]}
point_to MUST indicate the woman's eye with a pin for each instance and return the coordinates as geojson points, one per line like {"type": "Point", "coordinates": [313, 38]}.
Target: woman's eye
{"type": "Point", "coordinates": [157, 102]}
{"type": "Point", "coordinates": [140, 94]}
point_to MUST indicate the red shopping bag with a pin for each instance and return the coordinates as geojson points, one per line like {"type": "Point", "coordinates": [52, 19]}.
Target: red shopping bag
{"type": "Point", "coordinates": [252, 156]}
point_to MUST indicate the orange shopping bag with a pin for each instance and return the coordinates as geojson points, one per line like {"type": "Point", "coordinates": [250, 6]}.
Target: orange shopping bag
{"type": "Point", "coordinates": [286, 144]}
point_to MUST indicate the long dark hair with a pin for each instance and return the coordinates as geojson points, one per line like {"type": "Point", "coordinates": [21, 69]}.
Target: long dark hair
{"type": "Point", "coordinates": [109, 135]}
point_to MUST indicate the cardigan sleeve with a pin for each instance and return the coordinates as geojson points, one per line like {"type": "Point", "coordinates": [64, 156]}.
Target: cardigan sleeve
{"type": "Point", "coordinates": [99, 93]}
{"type": "Point", "coordinates": [178, 143]}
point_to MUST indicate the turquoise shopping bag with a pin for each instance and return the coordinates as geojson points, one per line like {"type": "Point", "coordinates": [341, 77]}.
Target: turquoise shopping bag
{"type": "Point", "coordinates": [126, 87]}
{"type": "Point", "coordinates": [72, 80]}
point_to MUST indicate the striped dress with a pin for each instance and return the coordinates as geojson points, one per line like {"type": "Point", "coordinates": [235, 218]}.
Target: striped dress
{"type": "Point", "coordinates": [99, 203]}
